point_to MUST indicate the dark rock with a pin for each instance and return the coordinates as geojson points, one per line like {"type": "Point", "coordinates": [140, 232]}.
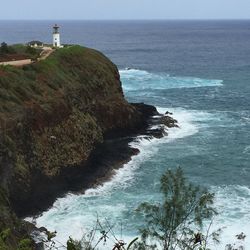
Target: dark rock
{"type": "Point", "coordinates": [241, 236]}
{"type": "Point", "coordinates": [145, 109]}
{"type": "Point", "coordinates": [157, 132]}
{"type": "Point", "coordinates": [42, 229]}
{"type": "Point", "coordinates": [39, 246]}
{"type": "Point", "coordinates": [169, 121]}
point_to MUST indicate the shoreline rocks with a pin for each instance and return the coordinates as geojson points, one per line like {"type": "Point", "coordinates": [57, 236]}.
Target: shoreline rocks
{"type": "Point", "coordinates": [112, 154]}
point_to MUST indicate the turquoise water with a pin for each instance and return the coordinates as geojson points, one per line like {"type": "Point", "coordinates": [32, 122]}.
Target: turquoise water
{"type": "Point", "coordinates": [200, 71]}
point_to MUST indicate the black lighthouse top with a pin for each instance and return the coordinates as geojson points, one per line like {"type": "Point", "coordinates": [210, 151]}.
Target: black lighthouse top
{"type": "Point", "coordinates": [55, 29]}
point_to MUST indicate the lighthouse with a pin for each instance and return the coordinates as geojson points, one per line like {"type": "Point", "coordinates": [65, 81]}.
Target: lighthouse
{"type": "Point", "coordinates": [56, 36]}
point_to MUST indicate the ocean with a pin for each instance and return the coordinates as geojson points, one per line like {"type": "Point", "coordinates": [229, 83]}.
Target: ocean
{"type": "Point", "coordinates": [200, 71]}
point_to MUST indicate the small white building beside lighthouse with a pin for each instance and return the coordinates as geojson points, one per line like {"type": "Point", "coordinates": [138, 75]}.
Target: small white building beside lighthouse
{"type": "Point", "coordinates": [56, 37]}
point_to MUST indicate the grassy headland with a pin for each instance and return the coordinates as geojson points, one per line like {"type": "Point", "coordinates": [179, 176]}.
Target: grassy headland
{"type": "Point", "coordinates": [53, 114]}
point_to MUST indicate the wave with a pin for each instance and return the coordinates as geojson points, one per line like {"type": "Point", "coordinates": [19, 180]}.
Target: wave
{"type": "Point", "coordinates": [77, 210]}
{"type": "Point", "coordinates": [246, 150]}
{"type": "Point", "coordinates": [233, 205]}
{"type": "Point", "coordinates": [75, 214]}
{"type": "Point", "coordinates": [148, 147]}
{"type": "Point", "coordinates": [232, 202]}
{"type": "Point", "coordinates": [135, 79]}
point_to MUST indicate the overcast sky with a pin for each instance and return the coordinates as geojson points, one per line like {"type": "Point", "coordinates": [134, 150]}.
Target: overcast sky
{"type": "Point", "coordinates": [125, 9]}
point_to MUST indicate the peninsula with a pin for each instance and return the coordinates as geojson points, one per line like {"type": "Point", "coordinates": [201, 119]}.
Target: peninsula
{"type": "Point", "coordinates": [64, 125]}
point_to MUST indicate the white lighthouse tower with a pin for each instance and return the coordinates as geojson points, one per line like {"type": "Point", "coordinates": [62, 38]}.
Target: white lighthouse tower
{"type": "Point", "coordinates": [56, 37]}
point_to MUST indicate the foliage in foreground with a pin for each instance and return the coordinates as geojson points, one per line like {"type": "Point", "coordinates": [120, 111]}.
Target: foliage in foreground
{"type": "Point", "coordinates": [174, 223]}
{"type": "Point", "coordinates": [177, 221]}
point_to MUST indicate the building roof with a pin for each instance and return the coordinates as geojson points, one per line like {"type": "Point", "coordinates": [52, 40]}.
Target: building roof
{"type": "Point", "coordinates": [35, 42]}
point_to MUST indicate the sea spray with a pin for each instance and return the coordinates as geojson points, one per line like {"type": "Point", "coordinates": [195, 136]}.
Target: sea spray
{"type": "Point", "coordinates": [75, 214]}
{"type": "Point", "coordinates": [135, 79]}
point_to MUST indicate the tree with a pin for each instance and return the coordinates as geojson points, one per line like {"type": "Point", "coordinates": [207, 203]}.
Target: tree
{"type": "Point", "coordinates": [30, 50]}
{"type": "Point", "coordinates": [4, 48]}
{"type": "Point", "coordinates": [74, 244]}
{"type": "Point", "coordinates": [177, 222]}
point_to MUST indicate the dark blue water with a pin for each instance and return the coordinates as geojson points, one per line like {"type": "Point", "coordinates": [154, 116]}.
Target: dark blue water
{"type": "Point", "coordinates": [200, 70]}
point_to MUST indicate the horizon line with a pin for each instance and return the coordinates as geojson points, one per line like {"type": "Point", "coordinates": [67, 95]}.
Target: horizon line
{"type": "Point", "coordinates": [153, 19]}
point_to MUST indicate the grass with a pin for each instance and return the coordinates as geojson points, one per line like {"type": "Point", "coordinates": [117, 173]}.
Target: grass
{"type": "Point", "coordinates": [73, 95]}
{"type": "Point", "coordinates": [30, 52]}
{"type": "Point", "coordinates": [19, 52]}
{"type": "Point", "coordinates": [65, 70]}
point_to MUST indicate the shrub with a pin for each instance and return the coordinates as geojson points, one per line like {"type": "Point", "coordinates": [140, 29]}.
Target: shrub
{"type": "Point", "coordinates": [177, 221]}
{"type": "Point", "coordinates": [5, 234]}
{"type": "Point", "coordinates": [25, 244]}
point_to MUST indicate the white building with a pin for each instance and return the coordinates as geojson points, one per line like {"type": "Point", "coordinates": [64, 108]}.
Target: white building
{"type": "Point", "coordinates": [56, 37]}
{"type": "Point", "coordinates": [35, 44]}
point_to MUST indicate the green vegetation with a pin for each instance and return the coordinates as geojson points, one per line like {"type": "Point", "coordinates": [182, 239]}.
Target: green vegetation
{"type": "Point", "coordinates": [25, 244]}
{"type": "Point", "coordinates": [175, 223]}
{"type": "Point", "coordinates": [11, 239]}
{"type": "Point", "coordinates": [17, 52]}
{"type": "Point", "coordinates": [52, 115]}
{"type": "Point", "coordinates": [66, 70]}
{"type": "Point", "coordinates": [67, 143]}
{"type": "Point", "coordinates": [5, 234]}
{"type": "Point", "coordinates": [5, 212]}
{"type": "Point", "coordinates": [26, 50]}
{"type": "Point", "coordinates": [76, 86]}
{"type": "Point", "coordinates": [74, 245]}
{"type": "Point", "coordinates": [5, 49]}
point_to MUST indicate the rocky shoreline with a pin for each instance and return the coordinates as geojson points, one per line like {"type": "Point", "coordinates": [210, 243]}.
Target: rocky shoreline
{"type": "Point", "coordinates": [108, 156]}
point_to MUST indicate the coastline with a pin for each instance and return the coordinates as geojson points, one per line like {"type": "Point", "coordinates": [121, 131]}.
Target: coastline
{"type": "Point", "coordinates": [212, 144]}
{"type": "Point", "coordinates": [107, 157]}
{"type": "Point", "coordinates": [65, 137]}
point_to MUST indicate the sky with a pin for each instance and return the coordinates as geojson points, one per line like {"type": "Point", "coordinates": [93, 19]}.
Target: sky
{"type": "Point", "coordinates": [123, 9]}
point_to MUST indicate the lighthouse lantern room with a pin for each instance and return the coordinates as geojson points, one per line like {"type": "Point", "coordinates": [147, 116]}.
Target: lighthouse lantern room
{"type": "Point", "coordinates": [56, 36]}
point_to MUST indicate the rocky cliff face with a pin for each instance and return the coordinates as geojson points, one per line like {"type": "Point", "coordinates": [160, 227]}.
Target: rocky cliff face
{"type": "Point", "coordinates": [53, 115]}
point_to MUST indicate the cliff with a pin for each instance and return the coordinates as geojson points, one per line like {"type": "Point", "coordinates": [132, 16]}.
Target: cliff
{"type": "Point", "coordinates": [56, 116]}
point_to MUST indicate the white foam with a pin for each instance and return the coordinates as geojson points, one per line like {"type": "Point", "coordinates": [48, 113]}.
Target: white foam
{"type": "Point", "coordinates": [73, 214]}
{"type": "Point", "coordinates": [135, 79]}
{"type": "Point", "coordinates": [246, 150]}
{"type": "Point", "coordinates": [148, 148]}
{"type": "Point", "coordinates": [233, 204]}
{"type": "Point", "coordinates": [189, 121]}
